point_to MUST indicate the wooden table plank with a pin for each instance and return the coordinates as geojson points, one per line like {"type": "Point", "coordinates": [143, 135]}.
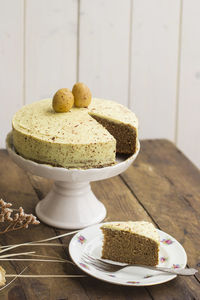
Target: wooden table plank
{"type": "Point", "coordinates": [155, 180]}
{"type": "Point", "coordinates": [162, 186]}
{"type": "Point", "coordinates": [22, 192]}
{"type": "Point", "coordinates": [168, 181]}
{"type": "Point", "coordinates": [121, 205]}
{"type": "Point", "coordinates": [16, 188]}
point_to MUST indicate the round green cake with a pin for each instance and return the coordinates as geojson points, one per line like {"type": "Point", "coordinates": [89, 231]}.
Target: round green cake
{"type": "Point", "coordinates": [81, 138]}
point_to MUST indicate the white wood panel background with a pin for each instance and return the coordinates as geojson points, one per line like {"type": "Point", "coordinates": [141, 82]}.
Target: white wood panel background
{"type": "Point", "coordinates": [11, 62]}
{"type": "Point", "coordinates": [188, 119]}
{"type": "Point", "coordinates": [51, 47]}
{"type": "Point", "coordinates": [142, 53]}
{"type": "Point", "coordinates": [154, 66]}
{"type": "Point", "coordinates": [104, 47]}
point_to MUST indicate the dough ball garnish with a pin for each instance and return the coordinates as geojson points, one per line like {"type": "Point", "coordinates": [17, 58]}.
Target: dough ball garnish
{"type": "Point", "coordinates": [63, 100]}
{"type": "Point", "coordinates": [82, 95]}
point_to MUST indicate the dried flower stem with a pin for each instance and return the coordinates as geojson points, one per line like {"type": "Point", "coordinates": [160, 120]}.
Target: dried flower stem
{"type": "Point", "coordinates": [15, 221]}
{"type": "Point", "coordinates": [45, 276]}
{"type": "Point", "coordinates": [53, 257]}
{"type": "Point", "coordinates": [17, 254]}
{"type": "Point", "coordinates": [34, 260]}
{"type": "Point", "coordinates": [37, 244]}
{"type": "Point", "coordinates": [39, 241]}
{"type": "Point", "coordinates": [15, 277]}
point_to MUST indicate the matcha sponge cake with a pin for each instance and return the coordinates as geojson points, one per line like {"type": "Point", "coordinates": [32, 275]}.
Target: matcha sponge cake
{"type": "Point", "coordinates": [131, 242]}
{"type": "Point", "coordinates": [86, 137]}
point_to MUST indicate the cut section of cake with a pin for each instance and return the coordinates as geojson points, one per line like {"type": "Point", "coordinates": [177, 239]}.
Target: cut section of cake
{"type": "Point", "coordinates": [131, 242]}
{"type": "Point", "coordinates": [120, 121]}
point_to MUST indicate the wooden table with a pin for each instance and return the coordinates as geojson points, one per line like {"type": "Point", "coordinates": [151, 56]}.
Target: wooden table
{"type": "Point", "coordinates": [162, 186]}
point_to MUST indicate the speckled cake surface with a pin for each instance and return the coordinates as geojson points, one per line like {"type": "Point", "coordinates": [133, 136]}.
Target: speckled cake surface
{"type": "Point", "coordinates": [74, 139]}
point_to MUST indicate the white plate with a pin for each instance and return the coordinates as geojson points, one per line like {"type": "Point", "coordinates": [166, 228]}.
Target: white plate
{"type": "Point", "coordinates": [89, 240]}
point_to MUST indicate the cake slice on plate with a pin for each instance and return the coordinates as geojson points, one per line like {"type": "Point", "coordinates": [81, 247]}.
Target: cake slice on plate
{"type": "Point", "coordinates": [131, 242]}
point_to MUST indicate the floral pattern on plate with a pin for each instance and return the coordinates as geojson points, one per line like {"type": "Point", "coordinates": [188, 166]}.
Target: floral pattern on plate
{"type": "Point", "coordinates": [176, 266]}
{"type": "Point", "coordinates": [81, 239]}
{"type": "Point", "coordinates": [163, 259]}
{"type": "Point", "coordinates": [84, 266]}
{"type": "Point", "coordinates": [167, 241]}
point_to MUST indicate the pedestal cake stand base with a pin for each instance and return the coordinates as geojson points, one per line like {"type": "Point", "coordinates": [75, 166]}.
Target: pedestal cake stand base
{"type": "Point", "coordinates": [70, 205]}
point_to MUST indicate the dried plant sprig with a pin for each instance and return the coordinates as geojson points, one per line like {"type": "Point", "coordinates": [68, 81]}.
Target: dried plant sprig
{"type": "Point", "coordinates": [17, 254]}
{"type": "Point", "coordinates": [53, 257]}
{"type": "Point", "coordinates": [40, 258]}
{"type": "Point", "coordinates": [36, 244]}
{"type": "Point", "coordinates": [35, 260]}
{"type": "Point", "coordinates": [46, 276]}
{"type": "Point", "coordinates": [4, 257]}
{"type": "Point", "coordinates": [15, 221]}
{"type": "Point", "coordinates": [38, 241]}
{"type": "Point", "coordinates": [3, 277]}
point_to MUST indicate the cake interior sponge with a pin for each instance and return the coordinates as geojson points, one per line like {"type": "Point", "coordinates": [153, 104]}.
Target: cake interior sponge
{"type": "Point", "coordinates": [131, 242]}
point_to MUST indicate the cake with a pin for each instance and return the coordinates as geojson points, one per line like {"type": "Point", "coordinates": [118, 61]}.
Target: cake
{"type": "Point", "coordinates": [80, 138]}
{"type": "Point", "coordinates": [131, 242]}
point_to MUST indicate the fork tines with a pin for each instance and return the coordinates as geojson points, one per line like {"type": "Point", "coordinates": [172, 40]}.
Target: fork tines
{"type": "Point", "coordinates": [99, 264]}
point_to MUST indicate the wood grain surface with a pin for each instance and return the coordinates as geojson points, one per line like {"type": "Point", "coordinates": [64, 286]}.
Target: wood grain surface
{"type": "Point", "coordinates": [162, 186]}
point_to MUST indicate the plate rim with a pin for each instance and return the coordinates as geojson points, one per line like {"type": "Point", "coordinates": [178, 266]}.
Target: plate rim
{"type": "Point", "coordinates": [109, 280]}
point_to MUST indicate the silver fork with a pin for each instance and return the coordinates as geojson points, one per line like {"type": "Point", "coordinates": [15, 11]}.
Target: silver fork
{"type": "Point", "coordinates": [110, 267]}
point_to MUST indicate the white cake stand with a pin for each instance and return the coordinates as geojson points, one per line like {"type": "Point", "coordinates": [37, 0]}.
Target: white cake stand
{"type": "Point", "coordinates": [71, 203]}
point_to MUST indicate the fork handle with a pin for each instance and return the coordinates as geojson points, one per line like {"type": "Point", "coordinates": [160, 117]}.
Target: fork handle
{"type": "Point", "coordinates": [178, 271]}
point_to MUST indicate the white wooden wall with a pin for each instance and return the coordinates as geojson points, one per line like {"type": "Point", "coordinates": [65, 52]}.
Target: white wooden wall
{"type": "Point", "coordinates": [142, 53]}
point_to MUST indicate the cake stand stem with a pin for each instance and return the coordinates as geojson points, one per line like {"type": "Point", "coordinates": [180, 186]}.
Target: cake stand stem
{"type": "Point", "coordinates": [70, 206]}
